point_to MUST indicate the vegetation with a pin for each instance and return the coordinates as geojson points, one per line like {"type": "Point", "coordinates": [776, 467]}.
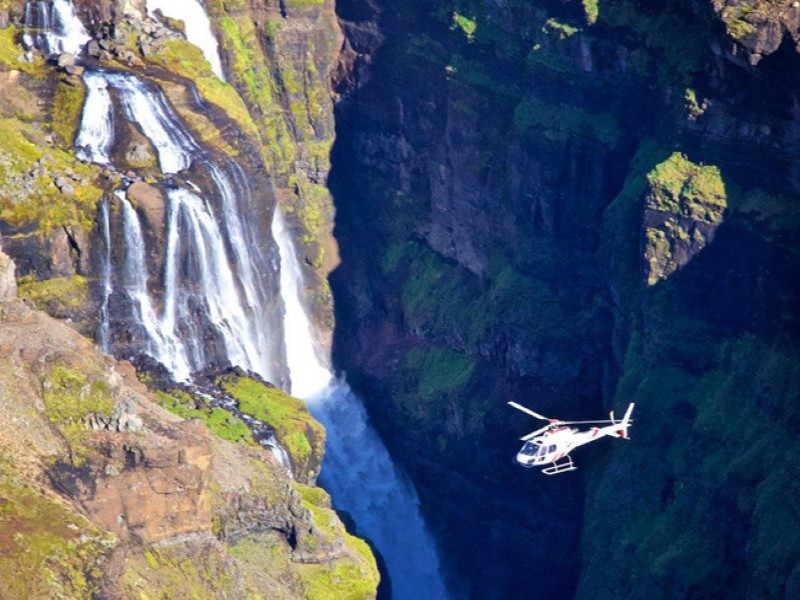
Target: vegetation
{"type": "Point", "coordinates": [12, 54]}
{"type": "Point", "coordinates": [58, 296]}
{"type": "Point", "coordinates": [592, 10]}
{"type": "Point", "coordinates": [295, 428]}
{"type": "Point", "coordinates": [667, 31]}
{"type": "Point", "coordinates": [66, 113]}
{"type": "Point", "coordinates": [466, 24]}
{"type": "Point", "coordinates": [47, 548]}
{"type": "Point", "coordinates": [187, 60]}
{"type": "Point", "coordinates": [28, 169]}
{"type": "Point", "coordinates": [355, 577]}
{"type": "Point", "coordinates": [219, 421]}
{"type": "Point", "coordinates": [681, 187]}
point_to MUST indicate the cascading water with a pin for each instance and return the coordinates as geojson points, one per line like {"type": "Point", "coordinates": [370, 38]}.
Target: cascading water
{"type": "Point", "coordinates": [201, 248]}
{"type": "Point", "coordinates": [97, 128]}
{"type": "Point", "coordinates": [357, 469]}
{"type": "Point", "coordinates": [105, 230]}
{"type": "Point", "coordinates": [213, 288]}
{"type": "Point", "coordinates": [198, 27]}
{"type": "Point", "coordinates": [53, 27]}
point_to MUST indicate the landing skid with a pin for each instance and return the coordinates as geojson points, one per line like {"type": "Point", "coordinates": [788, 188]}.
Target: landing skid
{"type": "Point", "coordinates": [562, 466]}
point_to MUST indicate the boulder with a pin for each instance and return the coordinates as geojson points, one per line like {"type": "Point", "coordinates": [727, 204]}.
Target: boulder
{"type": "Point", "coordinates": [66, 60]}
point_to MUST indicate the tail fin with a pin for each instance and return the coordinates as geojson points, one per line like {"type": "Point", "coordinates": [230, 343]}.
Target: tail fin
{"type": "Point", "coordinates": [625, 423]}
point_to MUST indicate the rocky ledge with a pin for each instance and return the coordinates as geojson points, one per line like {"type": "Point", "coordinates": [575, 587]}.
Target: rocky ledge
{"type": "Point", "coordinates": [104, 492]}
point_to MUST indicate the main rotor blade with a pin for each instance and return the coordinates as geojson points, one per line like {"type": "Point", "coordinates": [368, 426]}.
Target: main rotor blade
{"type": "Point", "coordinates": [528, 411]}
{"type": "Point", "coordinates": [533, 434]}
{"type": "Point", "coordinates": [587, 422]}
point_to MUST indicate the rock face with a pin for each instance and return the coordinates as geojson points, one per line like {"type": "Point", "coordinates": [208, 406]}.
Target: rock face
{"type": "Point", "coordinates": [552, 204]}
{"type": "Point", "coordinates": [109, 489]}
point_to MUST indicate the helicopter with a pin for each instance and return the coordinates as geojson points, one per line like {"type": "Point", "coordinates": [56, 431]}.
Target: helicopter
{"type": "Point", "coordinates": [551, 444]}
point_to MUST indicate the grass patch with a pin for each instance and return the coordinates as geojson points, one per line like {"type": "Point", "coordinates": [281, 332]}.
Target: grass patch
{"type": "Point", "coordinates": [467, 25]}
{"type": "Point", "coordinates": [219, 421]}
{"type": "Point", "coordinates": [67, 108]}
{"type": "Point", "coordinates": [298, 432]}
{"type": "Point", "coordinates": [684, 188]}
{"type": "Point", "coordinates": [28, 167]}
{"type": "Point", "coordinates": [57, 296]}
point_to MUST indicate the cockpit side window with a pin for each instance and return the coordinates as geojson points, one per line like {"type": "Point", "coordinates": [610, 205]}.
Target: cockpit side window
{"type": "Point", "coordinates": [551, 449]}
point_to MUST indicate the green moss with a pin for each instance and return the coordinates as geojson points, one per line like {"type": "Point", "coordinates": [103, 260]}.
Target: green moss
{"type": "Point", "coordinates": [30, 196]}
{"type": "Point", "coordinates": [219, 421]}
{"type": "Point", "coordinates": [591, 8]}
{"type": "Point", "coordinates": [728, 422]}
{"type": "Point", "coordinates": [355, 576]}
{"type": "Point", "coordinates": [66, 113]}
{"type": "Point", "coordinates": [468, 25]}
{"type": "Point", "coordinates": [564, 30]}
{"type": "Point", "coordinates": [680, 41]}
{"type": "Point", "coordinates": [692, 105]}
{"type": "Point", "coordinates": [47, 548]}
{"type": "Point", "coordinates": [57, 296]}
{"type": "Point", "coordinates": [301, 435]}
{"type": "Point", "coordinates": [178, 571]}
{"type": "Point", "coordinates": [70, 396]}
{"type": "Point", "coordinates": [559, 122]}
{"type": "Point", "coordinates": [187, 60]}
{"type": "Point", "coordinates": [736, 26]}
{"type": "Point", "coordinates": [11, 53]}
{"type": "Point", "coordinates": [684, 188]}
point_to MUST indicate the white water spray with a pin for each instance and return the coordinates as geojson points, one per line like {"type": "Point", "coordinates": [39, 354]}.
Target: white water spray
{"type": "Point", "coordinates": [357, 469]}
{"type": "Point", "coordinates": [97, 122]}
{"type": "Point", "coordinates": [69, 34]}
{"type": "Point", "coordinates": [54, 28]}
{"type": "Point", "coordinates": [198, 27]}
{"type": "Point", "coordinates": [230, 294]}
{"type": "Point", "coordinates": [105, 228]}
{"type": "Point", "coordinates": [161, 343]}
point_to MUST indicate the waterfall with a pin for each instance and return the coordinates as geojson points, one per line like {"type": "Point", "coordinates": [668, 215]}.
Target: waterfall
{"type": "Point", "coordinates": [69, 33]}
{"type": "Point", "coordinates": [105, 230]}
{"type": "Point", "coordinates": [357, 469]}
{"type": "Point", "coordinates": [198, 27]}
{"type": "Point", "coordinates": [212, 278]}
{"type": "Point", "coordinates": [97, 121]}
{"type": "Point", "coordinates": [161, 343]}
{"type": "Point", "coordinates": [55, 26]}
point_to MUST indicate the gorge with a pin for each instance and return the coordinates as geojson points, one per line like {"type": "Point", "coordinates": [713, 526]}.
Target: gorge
{"type": "Point", "coordinates": [404, 214]}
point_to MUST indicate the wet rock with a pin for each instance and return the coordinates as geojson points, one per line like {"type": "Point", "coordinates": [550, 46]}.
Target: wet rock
{"type": "Point", "coordinates": [93, 49]}
{"type": "Point", "coordinates": [139, 153]}
{"type": "Point", "coordinates": [150, 202]}
{"type": "Point", "coordinates": [66, 60]}
{"type": "Point", "coordinates": [75, 71]}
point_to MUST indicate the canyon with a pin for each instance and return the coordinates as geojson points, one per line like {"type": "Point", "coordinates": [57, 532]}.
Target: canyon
{"type": "Point", "coordinates": [258, 247]}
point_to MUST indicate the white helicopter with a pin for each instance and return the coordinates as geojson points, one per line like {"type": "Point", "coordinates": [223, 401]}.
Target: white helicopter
{"type": "Point", "coordinates": [552, 443]}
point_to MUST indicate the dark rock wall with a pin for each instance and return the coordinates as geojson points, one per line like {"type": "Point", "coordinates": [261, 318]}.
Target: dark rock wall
{"type": "Point", "coordinates": [574, 216]}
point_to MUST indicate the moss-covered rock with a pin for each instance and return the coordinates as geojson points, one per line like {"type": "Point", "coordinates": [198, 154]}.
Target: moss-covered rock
{"type": "Point", "coordinates": [685, 203]}
{"type": "Point", "coordinates": [60, 296]}
{"type": "Point", "coordinates": [295, 428]}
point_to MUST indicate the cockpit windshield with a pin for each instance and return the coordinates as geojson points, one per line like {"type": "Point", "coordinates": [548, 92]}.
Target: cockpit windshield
{"type": "Point", "coordinates": [531, 449]}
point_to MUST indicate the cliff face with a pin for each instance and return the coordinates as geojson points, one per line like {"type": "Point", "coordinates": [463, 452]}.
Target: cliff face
{"type": "Point", "coordinates": [576, 207]}
{"type": "Point", "coordinates": [116, 481]}
{"type": "Point", "coordinates": [105, 492]}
